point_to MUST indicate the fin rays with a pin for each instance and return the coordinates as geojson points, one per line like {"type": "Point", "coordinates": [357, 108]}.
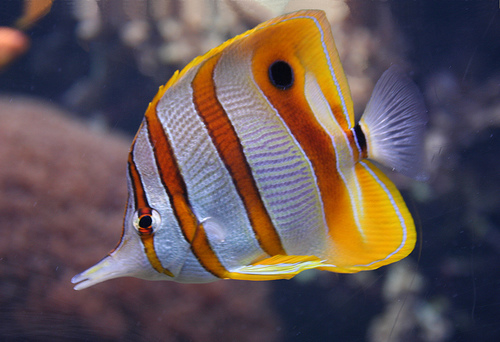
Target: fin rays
{"type": "Point", "coordinates": [394, 123]}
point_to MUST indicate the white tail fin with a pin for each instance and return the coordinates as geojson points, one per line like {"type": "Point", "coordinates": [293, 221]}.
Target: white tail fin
{"type": "Point", "coordinates": [394, 124]}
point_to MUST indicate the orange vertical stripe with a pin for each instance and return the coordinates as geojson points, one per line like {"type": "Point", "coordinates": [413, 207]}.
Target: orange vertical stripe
{"type": "Point", "coordinates": [231, 152]}
{"type": "Point", "coordinates": [317, 145]}
{"type": "Point", "coordinates": [142, 202]}
{"type": "Point", "coordinates": [294, 109]}
{"type": "Point", "coordinates": [139, 193]}
{"type": "Point", "coordinates": [174, 185]}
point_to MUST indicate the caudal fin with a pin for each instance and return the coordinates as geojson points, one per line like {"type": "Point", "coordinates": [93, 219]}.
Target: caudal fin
{"type": "Point", "coordinates": [394, 124]}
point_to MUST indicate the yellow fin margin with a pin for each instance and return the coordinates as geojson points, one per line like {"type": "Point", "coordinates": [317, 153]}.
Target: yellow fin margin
{"type": "Point", "coordinates": [279, 267]}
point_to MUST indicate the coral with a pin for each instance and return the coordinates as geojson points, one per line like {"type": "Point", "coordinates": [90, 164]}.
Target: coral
{"type": "Point", "coordinates": [63, 190]}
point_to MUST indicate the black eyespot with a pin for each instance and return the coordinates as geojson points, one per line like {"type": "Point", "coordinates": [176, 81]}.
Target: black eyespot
{"type": "Point", "coordinates": [281, 75]}
{"type": "Point", "coordinates": [146, 221]}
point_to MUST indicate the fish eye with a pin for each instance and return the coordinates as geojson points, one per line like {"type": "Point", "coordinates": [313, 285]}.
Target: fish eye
{"type": "Point", "coordinates": [146, 221]}
{"type": "Point", "coordinates": [281, 75]}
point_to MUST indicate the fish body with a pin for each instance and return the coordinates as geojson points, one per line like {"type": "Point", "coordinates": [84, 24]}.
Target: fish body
{"type": "Point", "coordinates": [249, 165]}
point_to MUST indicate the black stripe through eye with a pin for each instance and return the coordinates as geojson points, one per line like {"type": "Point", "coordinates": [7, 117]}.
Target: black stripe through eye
{"type": "Point", "coordinates": [281, 75]}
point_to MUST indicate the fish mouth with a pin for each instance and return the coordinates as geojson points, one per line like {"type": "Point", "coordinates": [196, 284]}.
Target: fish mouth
{"type": "Point", "coordinates": [127, 260]}
{"type": "Point", "coordinates": [105, 269]}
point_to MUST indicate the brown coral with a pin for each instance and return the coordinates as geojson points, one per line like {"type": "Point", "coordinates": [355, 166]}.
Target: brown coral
{"type": "Point", "coordinates": [63, 190]}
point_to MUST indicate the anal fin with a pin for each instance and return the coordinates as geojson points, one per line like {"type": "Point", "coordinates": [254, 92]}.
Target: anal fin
{"type": "Point", "coordinates": [278, 267]}
{"type": "Point", "coordinates": [385, 232]}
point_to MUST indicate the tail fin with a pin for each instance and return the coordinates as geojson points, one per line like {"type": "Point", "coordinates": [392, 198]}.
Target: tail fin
{"type": "Point", "coordinates": [394, 124]}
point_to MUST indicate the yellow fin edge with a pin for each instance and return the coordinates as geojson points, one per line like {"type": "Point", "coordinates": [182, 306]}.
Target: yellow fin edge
{"type": "Point", "coordinates": [279, 267]}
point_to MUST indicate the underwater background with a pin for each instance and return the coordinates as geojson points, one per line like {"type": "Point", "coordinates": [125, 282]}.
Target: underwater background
{"type": "Point", "coordinates": [71, 104]}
